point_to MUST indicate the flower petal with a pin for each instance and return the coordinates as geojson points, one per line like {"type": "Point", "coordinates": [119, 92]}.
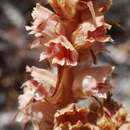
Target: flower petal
{"type": "Point", "coordinates": [90, 80]}
{"type": "Point", "coordinates": [46, 24]}
{"type": "Point", "coordinates": [41, 75]}
{"type": "Point", "coordinates": [87, 33]}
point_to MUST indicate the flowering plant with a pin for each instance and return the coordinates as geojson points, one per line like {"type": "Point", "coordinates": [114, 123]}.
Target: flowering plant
{"type": "Point", "coordinates": [69, 39]}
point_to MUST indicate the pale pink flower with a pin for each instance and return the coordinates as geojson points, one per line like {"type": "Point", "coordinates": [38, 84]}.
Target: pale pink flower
{"type": "Point", "coordinates": [61, 51]}
{"type": "Point", "coordinates": [51, 37]}
{"type": "Point", "coordinates": [42, 75]}
{"type": "Point", "coordinates": [42, 85]}
{"type": "Point", "coordinates": [28, 94]}
{"type": "Point", "coordinates": [87, 33]}
{"type": "Point", "coordinates": [23, 116]}
{"type": "Point", "coordinates": [46, 25]}
{"type": "Point", "coordinates": [92, 81]}
{"type": "Point", "coordinates": [26, 115]}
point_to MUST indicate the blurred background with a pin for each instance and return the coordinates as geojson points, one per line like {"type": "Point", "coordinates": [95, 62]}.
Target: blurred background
{"type": "Point", "coordinates": [15, 54]}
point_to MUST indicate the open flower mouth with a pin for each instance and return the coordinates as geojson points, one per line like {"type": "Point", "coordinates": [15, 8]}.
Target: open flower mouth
{"type": "Point", "coordinates": [99, 32]}
{"type": "Point", "coordinates": [59, 51]}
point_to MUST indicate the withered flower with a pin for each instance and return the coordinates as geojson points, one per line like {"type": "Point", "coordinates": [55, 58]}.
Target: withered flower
{"type": "Point", "coordinates": [69, 117]}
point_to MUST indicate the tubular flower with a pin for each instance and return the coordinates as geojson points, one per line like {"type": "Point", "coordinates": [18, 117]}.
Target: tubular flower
{"type": "Point", "coordinates": [42, 75]}
{"type": "Point", "coordinates": [87, 33]}
{"type": "Point", "coordinates": [41, 86]}
{"type": "Point", "coordinates": [46, 25]}
{"type": "Point", "coordinates": [37, 89]}
{"type": "Point", "coordinates": [89, 82]}
{"type": "Point", "coordinates": [50, 35]}
{"type": "Point", "coordinates": [61, 51]}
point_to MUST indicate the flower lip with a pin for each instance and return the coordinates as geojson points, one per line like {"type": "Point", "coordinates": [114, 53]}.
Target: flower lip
{"type": "Point", "coordinates": [59, 51]}
{"type": "Point", "coordinates": [99, 32]}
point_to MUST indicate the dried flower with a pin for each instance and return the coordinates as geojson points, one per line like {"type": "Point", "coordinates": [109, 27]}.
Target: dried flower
{"type": "Point", "coordinates": [69, 117]}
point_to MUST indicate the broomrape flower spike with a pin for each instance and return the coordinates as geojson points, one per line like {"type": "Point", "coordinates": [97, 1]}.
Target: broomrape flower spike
{"type": "Point", "coordinates": [69, 39]}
